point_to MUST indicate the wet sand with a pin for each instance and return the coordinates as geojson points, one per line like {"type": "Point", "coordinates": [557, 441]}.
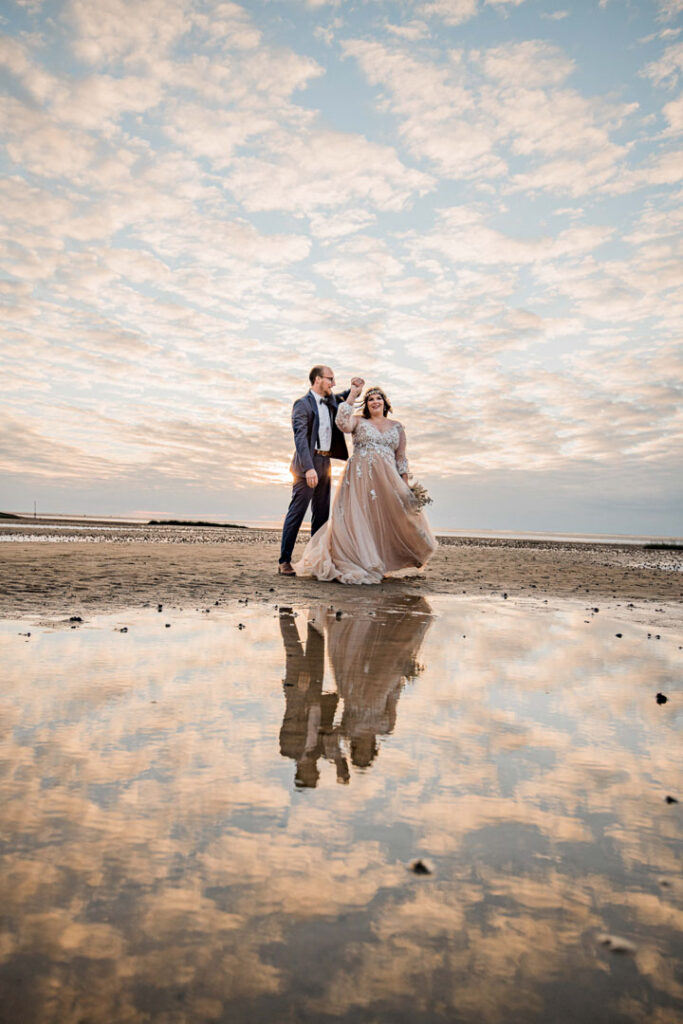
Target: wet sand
{"type": "Point", "coordinates": [94, 570]}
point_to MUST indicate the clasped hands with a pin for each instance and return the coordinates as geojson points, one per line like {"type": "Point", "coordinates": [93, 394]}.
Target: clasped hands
{"type": "Point", "coordinates": [356, 388]}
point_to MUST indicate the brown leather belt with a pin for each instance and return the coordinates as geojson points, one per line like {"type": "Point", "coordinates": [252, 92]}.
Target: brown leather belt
{"type": "Point", "coordinates": [325, 454]}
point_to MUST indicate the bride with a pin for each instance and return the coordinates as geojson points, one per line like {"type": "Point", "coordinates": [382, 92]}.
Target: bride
{"type": "Point", "coordinates": [375, 526]}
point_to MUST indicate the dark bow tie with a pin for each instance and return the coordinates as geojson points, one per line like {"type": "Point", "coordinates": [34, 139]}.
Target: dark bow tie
{"type": "Point", "coordinates": [327, 402]}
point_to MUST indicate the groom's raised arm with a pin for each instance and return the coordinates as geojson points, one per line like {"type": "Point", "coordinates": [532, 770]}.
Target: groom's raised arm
{"type": "Point", "coordinates": [356, 382]}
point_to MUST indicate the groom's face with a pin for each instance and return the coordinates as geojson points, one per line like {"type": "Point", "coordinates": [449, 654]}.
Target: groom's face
{"type": "Point", "coordinates": [326, 381]}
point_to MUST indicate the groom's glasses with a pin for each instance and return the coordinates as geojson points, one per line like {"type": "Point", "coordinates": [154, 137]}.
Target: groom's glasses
{"type": "Point", "coordinates": [325, 377]}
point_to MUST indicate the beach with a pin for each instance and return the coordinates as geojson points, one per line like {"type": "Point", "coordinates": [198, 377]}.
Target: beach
{"type": "Point", "coordinates": [77, 568]}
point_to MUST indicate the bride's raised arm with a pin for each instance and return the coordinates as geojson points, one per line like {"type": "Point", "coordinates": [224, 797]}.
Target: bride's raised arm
{"type": "Point", "coordinates": [346, 420]}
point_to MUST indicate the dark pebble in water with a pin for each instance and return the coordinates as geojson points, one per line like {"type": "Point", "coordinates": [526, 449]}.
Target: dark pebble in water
{"type": "Point", "coordinates": [671, 799]}
{"type": "Point", "coordinates": [168, 625]}
{"type": "Point", "coordinates": [75, 618]}
{"type": "Point", "coordinates": [338, 615]}
{"type": "Point", "coordinates": [240, 625]}
{"type": "Point", "coordinates": [271, 590]}
{"type": "Point", "coordinates": [596, 609]}
{"type": "Point", "coordinates": [619, 635]}
{"type": "Point", "coordinates": [419, 867]}
{"type": "Point", "coordinates": [160, 607]}
{"type": "Point", "coordinates": [124, 629]}
{"type": "Point", "coordinates": [505, 596]}
{"type": "Point", "coordinates": [616, 944]}
{"type": "Point", "coordinates": [661, 698]}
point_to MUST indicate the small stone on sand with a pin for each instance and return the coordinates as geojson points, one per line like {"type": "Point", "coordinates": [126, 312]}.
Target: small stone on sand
{"type": "Point", "coordinates": [421, 867]}
{"type": "Point", "coordinates": [616, 944]}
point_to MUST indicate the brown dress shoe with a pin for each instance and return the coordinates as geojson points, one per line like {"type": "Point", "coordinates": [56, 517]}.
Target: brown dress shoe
{"type": "Point", "coordinates": [285, 569]}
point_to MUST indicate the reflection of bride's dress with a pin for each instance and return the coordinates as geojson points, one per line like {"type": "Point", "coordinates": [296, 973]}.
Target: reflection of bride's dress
{"type": "Point", "coordinates": [372, 656]}
{"type": "Point", "coordinates": [374, 527]}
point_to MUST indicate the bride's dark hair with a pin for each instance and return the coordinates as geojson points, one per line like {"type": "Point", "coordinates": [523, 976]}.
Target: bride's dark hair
{"type": "Point", "coordinates": [375, 391]}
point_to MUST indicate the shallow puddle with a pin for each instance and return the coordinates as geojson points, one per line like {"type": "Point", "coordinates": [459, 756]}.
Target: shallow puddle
{"type": "Point", "coordinates": [214, 819]}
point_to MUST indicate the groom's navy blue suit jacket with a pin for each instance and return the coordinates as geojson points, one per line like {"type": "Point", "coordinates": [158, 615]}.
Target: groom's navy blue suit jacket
{"type": "Point", "coordinates": [305, 425]}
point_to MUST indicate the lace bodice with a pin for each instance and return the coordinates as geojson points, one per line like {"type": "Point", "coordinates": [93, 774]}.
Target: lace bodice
{"type": "Point", "coordinates": [370, 442]}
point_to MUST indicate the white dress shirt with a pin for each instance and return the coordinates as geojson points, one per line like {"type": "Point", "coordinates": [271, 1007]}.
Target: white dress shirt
{"type": "Point", "coordinates": [324, 425]}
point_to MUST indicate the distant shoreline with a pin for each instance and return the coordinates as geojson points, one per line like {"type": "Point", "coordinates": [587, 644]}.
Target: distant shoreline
{"type": "Point", "coordinates": [532, 538]}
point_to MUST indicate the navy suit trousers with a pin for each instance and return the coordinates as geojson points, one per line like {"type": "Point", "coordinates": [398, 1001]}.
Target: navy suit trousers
{"type": "Point", "coordinates": [302, 496]}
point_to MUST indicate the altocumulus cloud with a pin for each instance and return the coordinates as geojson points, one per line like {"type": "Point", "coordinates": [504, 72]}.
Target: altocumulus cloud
{"type": "Point", "coordinates": [201, 199]}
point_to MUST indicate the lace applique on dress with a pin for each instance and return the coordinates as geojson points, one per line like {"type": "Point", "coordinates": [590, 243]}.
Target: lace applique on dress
{"type": "Point", "coordinates": [370, 443]}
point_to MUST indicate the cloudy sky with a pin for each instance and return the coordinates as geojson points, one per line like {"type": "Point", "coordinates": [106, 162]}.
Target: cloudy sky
{"type": "Point", "coordinates": [475, 203]}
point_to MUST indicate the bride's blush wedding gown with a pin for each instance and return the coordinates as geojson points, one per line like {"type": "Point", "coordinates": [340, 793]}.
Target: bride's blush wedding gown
{"type": "Point", "coordinates": [374, 526]}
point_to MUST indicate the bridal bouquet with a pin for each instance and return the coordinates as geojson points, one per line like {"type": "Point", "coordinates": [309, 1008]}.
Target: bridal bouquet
{"type": "Point", "coordinates": [421, 495]}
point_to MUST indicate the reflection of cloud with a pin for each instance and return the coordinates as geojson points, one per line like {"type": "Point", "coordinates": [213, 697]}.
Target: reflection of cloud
{"type": "Point", "coordinates": [153, 839]}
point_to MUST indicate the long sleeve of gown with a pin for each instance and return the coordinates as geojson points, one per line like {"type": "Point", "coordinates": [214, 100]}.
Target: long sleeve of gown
{"type": "Point", "coordinates": [344, 418]}
{"type": "Point", "coordinates": [401, 460]}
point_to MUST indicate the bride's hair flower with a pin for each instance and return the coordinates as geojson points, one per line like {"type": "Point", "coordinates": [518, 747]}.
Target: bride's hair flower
{"type": "Point", "coordinates": [421, 495]}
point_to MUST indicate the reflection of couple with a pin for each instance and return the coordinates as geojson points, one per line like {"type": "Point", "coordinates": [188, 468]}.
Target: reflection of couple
{"type": "Point", "coordinates": [375, 526]}
{"type": "Point", "coordinates": [372, 655]}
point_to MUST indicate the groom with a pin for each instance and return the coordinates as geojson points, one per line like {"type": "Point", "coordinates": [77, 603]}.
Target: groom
{"type": "Point", "coordinates": [317, 439]}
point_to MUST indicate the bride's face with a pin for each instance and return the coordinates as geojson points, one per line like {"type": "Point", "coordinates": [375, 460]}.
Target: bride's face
{"type": "Point", "coordinates": [375, 405]}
